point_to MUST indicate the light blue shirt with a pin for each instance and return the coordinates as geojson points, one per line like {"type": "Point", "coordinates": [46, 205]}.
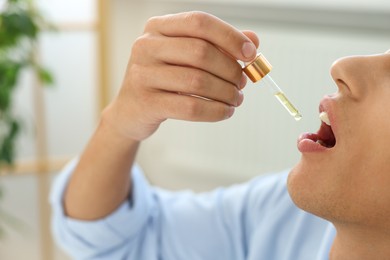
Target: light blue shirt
{"type": "Point", "coordinates": [252, 221]}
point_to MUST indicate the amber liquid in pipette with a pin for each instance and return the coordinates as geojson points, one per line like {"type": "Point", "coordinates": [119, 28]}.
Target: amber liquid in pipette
{"type": "Point", "coordinates": [288, 105]}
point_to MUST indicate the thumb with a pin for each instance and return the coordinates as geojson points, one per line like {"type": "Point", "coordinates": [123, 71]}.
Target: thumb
{"type": "Point", "coordinates": [252, 36]}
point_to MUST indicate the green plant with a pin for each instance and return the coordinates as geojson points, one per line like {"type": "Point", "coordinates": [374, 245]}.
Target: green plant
{"type": "Point", "coordinates": [20, 25]}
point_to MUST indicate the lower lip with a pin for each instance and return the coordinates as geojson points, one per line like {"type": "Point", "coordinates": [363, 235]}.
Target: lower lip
{"type": "Point", "coordinates": [306, 145]}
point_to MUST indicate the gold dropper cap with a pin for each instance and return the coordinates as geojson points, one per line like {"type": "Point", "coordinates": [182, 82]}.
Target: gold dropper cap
{"type": "Point", "coordinates": [258, 68]}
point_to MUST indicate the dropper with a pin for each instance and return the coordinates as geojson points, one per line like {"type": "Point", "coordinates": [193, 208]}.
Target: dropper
{"type": "Point", "coordinates": [258, 69]}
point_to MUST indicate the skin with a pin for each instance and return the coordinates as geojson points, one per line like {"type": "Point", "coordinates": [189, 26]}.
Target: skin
{"type": "Point", "coordinates": [349, 183]}
{"type": "Point", "coordinates": [176, 61]}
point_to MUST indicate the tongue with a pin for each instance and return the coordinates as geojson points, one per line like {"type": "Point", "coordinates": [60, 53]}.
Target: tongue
{"type": "Point", "coordinates": [325, 136]}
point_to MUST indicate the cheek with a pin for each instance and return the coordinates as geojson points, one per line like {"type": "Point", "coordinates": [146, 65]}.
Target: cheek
{"type": "Point", "coordinates": [365, 132]}
{"type": "Point", "coordinates": [365, 142]}
{"type": "Point", "coordinates": [367, 152]}
{"type": "Point", "coordinates": [377, 157]}
{"type": "Point", "coordinates": [373, 129]}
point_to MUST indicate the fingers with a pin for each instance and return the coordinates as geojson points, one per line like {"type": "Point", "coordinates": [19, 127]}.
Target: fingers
{"type": "Point", "coordinates": [183, 67]}
{"type": "Point", "coordinates": [190, 81]}
{"type": "Point", "coordinates": [205, 26]}
{"type": "Point", "coordinates": [195, 53]}
{"type": "Point", "coordinates": [183, 107]}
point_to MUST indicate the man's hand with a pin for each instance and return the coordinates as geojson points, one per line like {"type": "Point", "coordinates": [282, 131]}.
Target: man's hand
{"type": "Point", "coordinates": [183, 67]}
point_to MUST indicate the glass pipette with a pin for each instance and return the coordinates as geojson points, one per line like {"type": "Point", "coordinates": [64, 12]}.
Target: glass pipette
{"type": "Point", "coordinates": [258, 69]}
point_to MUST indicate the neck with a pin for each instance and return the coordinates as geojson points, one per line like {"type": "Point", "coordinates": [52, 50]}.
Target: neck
{"type": "Point", "coordinates": [360, 243]}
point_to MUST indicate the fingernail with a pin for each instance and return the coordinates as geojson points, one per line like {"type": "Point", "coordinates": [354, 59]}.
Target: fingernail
{"type": "Point", "coordinates": [240, 98]}
{"type": "Point", "coordinates": [248, 50]}
{"type": "Point", "coordinates": [230, 112]}
{"type": "Point", "coordinates": [242, 82]}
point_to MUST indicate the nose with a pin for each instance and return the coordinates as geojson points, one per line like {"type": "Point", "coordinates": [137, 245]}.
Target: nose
{"type": "Point", "coordinates": [340, 71]}
{"type": "Point", "coordinates": [350, 74]}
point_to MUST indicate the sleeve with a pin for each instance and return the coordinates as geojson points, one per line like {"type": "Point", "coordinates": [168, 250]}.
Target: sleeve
{"type": "Point", "coordinates": [97, 239]}
{"type": "Point", "coordinates": [160, 224]}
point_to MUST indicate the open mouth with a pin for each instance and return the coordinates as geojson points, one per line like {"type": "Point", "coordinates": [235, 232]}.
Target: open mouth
{"type": "Point", "coordinates": [324, 136]}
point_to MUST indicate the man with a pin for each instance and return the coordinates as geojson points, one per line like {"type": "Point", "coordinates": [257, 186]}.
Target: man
{"type": "Point", "coordinates": [105, 209]}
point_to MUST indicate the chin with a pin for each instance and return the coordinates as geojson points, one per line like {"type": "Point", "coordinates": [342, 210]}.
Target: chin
{"type": "Point", "coordinates": [306, 189]}
{"type": "Point", "coordinates": [296, 188]}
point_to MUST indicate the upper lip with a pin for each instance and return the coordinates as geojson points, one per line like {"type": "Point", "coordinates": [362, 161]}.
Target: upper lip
{"type": "Point", "coordinates": [325, 106]}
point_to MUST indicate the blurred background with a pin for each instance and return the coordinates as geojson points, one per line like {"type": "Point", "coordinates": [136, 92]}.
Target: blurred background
{"type": "Point", "coordinates": [87, 55]}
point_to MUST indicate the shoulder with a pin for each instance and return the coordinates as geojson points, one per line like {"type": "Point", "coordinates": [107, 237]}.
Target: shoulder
{"type": "Point", "coordinates": [270, 207]}
{"type": "Point", "coordinates": [267, 191]}
{"type": "Point", "coordinates": [268, 199]}
{"type": "Point", "coordinates": [276, 226]}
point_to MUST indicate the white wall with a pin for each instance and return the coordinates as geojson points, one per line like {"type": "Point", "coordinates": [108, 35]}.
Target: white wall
{"type": "Point", "coordinates": [373, 5]}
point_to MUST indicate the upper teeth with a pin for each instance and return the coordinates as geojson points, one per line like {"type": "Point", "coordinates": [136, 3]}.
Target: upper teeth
{"type": "Point", "coordinates": [324, 118]}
